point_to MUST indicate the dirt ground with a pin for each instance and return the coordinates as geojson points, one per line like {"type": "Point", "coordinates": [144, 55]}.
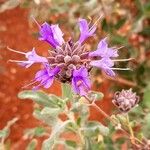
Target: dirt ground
{"type": "Point", "coordinates": [16, 33]}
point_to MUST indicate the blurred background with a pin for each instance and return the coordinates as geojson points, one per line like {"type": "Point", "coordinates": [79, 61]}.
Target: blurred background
{"type": "Point", "coordinates": [125, 23]}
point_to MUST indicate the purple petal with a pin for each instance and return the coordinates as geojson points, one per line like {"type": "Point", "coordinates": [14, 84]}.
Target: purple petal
{"type": "Point", "coordinates": [109, 72]}
{"type": "Point", "coordinates": [57, 33]}
{"type": "Point", "coordinates": [32, 56]}
{"type": "Point", "coordinates": [105, 64]}
{"type": "Point", "coordinates": [45, 77]}
{"type": "Point", "coordinates": [103, 50]}
{"type": "Point", "coordinates": [81, 72]}
{"type": "Point", "coordinates": [112, 52]}
{"type": "Point", "coordinates": [40, 75]}
{"type": "Point", "coordinates": [51, 34]}
{"type": "Point", "coordinates": [26, 64]}
{"type": "Point", "coordinates": [49, 82]}
{"type": "Point", "coordinates": [85, 31]}
{"type": "Point", "coordinates": [83, 90]}
{"type": "Point", "coordinates": [80, 81]}
{"type": "Point", "coordinates": [102, 47]}
{"type": "Point", "coordinates": [52, 72]}
{"type": "Point", "coordinates": [74, 85]}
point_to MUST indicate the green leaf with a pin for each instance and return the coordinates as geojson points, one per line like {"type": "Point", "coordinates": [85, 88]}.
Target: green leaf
{"type": "Point", "coordinates": [146, 97]}
{"type": "Point", "coordinates": [82, 110]}
{"type": "Point", "coordinates": [109, 143]}
{"type": "Point", "coordinates": [57, 100]}
{"type": "Point", "coordinates": [139, 5]}
{"type": "Point", "coordinates": [117, 39]}
{"type": "Point", "coordinates": [4, 133]}
{"type": "Point", "coordinates": [56, 131]}
{"type": "Point", "coordinates": [91, 145]}
{"type": "Point", "coordinates": [66, 91]}
{"type": "Point", "coordinates": [51, 111]}
{"type": "Point", "coordinates": [88, 144]}
{"type": "Point", "coordinates": [71, 143]}
{"type": "Point", "coordinates": [147, 8]}
{"type": "Point", "coordinates": [41, 98]}
{"type": "Point", "coordinates": [146, 126]}
{"type": "Point", "coordinates": [94, 95]}
{"type": "Point", "coordinates": [32, 145]}
{"type": "Point", "coordinates": [105, 25]}
{"type": "Point", "coordinates": [6, 130]}
{"type": "Point", "coordinates": [94, 128]}
{"type": "Point", "coordinates": [145, 31]}
{"type": "Point", "coordinates": [120, 23]}
{"type": "Point", "coordinates": [48, 119]}
{"type": "Point", "coordinates": [38, 131]}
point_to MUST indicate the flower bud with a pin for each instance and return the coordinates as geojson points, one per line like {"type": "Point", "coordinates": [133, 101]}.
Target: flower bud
{"type": "Point", "coordinates": [125, 100]}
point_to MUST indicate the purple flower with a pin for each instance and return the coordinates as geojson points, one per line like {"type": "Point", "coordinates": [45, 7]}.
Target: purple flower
{"type": "Point", "coordinates": [104, 51]}
{"type": "Point", "coordinates": [80, 81]}
{"type": "Point", "coordinates": [51, 34]}
{"type": "Point", "coordinates": [102, 58]}
{"type": "Point", "coordinates": [85, 30]}
{"type": "Point", "coordinates": [45, 77]}
{"type": "Point", "coordinates": [105, 64]}
{"type": "Point", "coordinates": [70, 61]}
{"type": "Point", "coordinates": [31, 56]}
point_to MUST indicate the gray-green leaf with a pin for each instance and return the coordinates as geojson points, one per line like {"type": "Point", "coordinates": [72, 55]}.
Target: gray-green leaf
{"type": "Point", "coordinates": [32, 145]}
{"type": "Point", "coordinates": [49, 143]}
{"type": "Point", "coordinates": [41, 98]}
{"type": "Point", "coordinates": [94, 128]}
{"type": "Point", "coordinates": [94, 95]}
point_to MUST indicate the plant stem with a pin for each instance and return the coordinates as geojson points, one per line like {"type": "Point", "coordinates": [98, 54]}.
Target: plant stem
{"type": "Point", "coordinates": [130, 129]}
{"type": "Point", "coordinates": [102, 112]}
{"type": "Point", "coordinates": [115, 123]}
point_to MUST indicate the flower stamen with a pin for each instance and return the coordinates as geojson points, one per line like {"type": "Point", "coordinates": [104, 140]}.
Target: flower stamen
{"type": "Point", "coordinates": [122, 59]}
{"type": "Point", "coordinates": [39, 26]}
{"type": "Point", "coordinates": [13, 50]}
{"type": "Point", "coordinates": [96, 22]}
{"type": "Point", "coordinates": [121, 68]}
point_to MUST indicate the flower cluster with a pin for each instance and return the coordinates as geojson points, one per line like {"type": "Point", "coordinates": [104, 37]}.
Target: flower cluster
{"type": "Point", "coordinates": [70, 61]}
{"type": "Point", "coordinates": [125, 100]}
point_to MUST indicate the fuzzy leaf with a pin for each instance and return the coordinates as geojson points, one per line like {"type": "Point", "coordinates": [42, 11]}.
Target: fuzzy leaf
{"type": "Point", "coordinates": [4, 133]}
{"type": "Point", "coordinates": [48, 119]}
{"type": "Point", "coordinates": [94, 128]}
{"type": "Point", "coordinates": [40, 98]}
{"type": "Point", "coordinates": [6, 130]}
{"type": "Point", "coordinates": [30, 133]}
{"type": "Point", "coordinates": [57, 130]}
{"type": "Point", "coordinates": [50, 111]}
{"type": "Point", "coordinates": [32, 145]}
{"type": "Point", "coordinates": [146, 126]}
{"type": "Point", "coordinates": [146, 97]}
{"type": "Point", "coordinates": [71, 143]}
{"type": "Point", "coordinates": [94, 95]}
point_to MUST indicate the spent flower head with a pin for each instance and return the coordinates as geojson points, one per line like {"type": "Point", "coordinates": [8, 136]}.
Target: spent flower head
{"type": "Point", "coordinates": [125, 100]}
{"type": "Point", "coordinates": [70, 61]}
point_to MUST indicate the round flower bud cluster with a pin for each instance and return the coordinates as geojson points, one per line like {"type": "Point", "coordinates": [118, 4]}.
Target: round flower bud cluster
{"type": "Point", "coordinates": [125, 100]}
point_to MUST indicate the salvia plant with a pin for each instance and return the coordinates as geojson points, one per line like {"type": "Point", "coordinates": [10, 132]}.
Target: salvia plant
{"type": "Point", "coordinates": [71, 63]}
